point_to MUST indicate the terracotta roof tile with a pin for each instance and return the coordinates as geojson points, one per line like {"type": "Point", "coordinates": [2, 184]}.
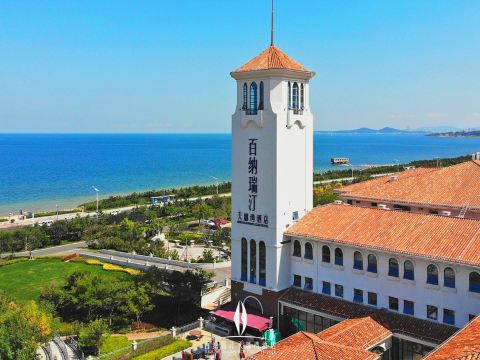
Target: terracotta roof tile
{"type": "Point", "coordinates": [429, 331]}
{"type": "Point", "coordinates": [429, 236]}
{"type": "Point", "coordinates": [306, 346]}
{"type": "Point", "coordinates": [464, 345]}
{"type": "Point", "coordinates": [272, 58]}
{"type": "Point", "coordinates": [455, 186]}
{"type": "Point", "coordinates": [363, 333]}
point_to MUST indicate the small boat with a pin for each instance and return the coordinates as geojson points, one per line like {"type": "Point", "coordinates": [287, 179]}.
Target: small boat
{"type": "Point", "coordinates": [340, 160]}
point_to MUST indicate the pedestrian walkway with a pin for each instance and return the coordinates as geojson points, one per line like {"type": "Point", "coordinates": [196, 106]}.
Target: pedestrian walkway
{"type": "Point", "coordinates": [230, 349]}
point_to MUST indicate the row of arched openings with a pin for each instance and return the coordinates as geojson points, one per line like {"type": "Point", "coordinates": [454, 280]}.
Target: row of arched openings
{"type": "Point", "coordinates": [253, 99]}
{"type": "Point", "coordinates": [249, 268]}
{"type": "Point", "coordinates": [393, 266]}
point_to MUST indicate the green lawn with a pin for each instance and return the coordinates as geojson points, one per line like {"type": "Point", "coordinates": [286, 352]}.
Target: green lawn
{"type": "Point", "coordinates": [24, 280]}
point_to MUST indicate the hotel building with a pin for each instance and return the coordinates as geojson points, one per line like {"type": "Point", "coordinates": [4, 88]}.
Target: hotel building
{"type": "Point", "coordinates": [403, 276]}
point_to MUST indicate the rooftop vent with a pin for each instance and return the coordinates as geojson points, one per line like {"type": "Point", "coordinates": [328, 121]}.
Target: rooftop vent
{"type": "Point", "coordinates": [446, 213]}
{"type": "Point", "coordinates": [383, 207]}
{"type": "Point", "coordinates": [393, 178]}
{"type": "Point", "coordinates": [338, 202]}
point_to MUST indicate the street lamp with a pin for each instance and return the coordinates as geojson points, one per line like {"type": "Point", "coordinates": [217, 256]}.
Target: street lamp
{"type": "Point", "coordinates": [56, 206]}
{"type": "Point", "coordinates": [97, 191]}
{"type": "Point", "coordinates": [216, 182]}
{"type": "Point", "coordinates": [398, 165]}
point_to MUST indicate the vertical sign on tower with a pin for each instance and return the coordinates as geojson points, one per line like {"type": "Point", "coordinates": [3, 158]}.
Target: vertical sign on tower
{"type": "Point", "coordinates": [251, 217]}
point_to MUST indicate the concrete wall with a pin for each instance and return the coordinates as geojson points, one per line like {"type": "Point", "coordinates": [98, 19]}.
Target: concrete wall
{"type": "Point", "coordinates": [422, 294]}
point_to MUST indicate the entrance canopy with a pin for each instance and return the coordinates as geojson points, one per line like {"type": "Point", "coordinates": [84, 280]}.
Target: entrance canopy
{"type": "Point", "coordinates": [257, 322]}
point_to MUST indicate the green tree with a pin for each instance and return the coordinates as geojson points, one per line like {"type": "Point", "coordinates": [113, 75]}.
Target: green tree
{"type": "Point", "coordinates": [22, 329]}
{"type": "Point", "coordinates": [90, 336]}
{"type": "Point", "coordinates": [201, 211]}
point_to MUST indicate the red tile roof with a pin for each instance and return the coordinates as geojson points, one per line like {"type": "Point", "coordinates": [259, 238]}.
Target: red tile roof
{"type": "Point", "coordinates": [306, 346]}
{"type": "Point", "coordinates": [453, 186]}
{"type": "Point", "coordinates": [272, 58]}
{"type": "Point", "coordinates": [362, 333]}
{"type": "Point", "coordinates": [464, 345]}
{"type": "Point", "coordinates": [412, 234]}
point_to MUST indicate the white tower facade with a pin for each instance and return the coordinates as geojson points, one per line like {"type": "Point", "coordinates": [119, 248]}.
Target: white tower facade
{"type": "Point", "coordinates": [272, 171]}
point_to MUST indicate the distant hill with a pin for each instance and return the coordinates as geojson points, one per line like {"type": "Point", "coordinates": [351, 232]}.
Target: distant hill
{"type": "Point", "coordinates": [438, 129]}
{"type": "Point", "coordinates": [364, 130]}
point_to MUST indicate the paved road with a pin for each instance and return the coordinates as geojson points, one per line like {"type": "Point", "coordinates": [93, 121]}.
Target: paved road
{"type": "Point", "coordinates": [45, 219]}
{"type": "Point", "coordinates": [56, 250]}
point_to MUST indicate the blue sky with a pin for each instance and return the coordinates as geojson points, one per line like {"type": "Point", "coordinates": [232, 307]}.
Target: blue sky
{"type": "Point", "coordinates": [163, 66]}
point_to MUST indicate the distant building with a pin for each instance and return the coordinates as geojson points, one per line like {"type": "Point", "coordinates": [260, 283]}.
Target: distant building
{"type": "Point", "coordinates": [448, 191]}
{"type": "Point", "coordinates": [162, 200]}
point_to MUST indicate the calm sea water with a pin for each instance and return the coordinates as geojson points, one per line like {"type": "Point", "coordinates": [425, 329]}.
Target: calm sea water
{"type": "Point", "coordinates": [39, 171]}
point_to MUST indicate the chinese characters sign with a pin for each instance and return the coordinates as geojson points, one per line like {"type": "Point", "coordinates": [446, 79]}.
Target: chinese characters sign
{"type": "Point", "coordinates": [251, 217]}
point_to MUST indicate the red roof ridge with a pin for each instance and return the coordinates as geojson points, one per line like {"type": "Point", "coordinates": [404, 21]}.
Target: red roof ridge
{"type": "Point", "coordinates": [272, 58]}
{"type": "Point", "coordinates": [469, 346]}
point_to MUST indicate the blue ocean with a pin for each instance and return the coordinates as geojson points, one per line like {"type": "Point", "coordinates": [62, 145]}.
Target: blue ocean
{"type": "Point", "coordinates": [40, 171]}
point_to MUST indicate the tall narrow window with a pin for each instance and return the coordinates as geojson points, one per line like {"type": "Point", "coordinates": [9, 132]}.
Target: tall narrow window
{"type": "Point", "coordinates": [372, 263]}
{"type": "Point", "coordinates": [308, 251]}
{"type": "Point", "coordinates": [325, 254]}
{"type": "Point", "coordinates": [449, 278]}
{"type": "Point", "coordinates": [260, 103]}
{"type": "Point", "coordinates": [302, 97]}
{"type": "Point", "coordinates": [253, 261]}
{"type": "Point", "coordinates": [357, 260]}
{"type": "Point", "coordinates": [338, 257]}
{"type": "Point", "coordinates": [244, 260]}
{"type": "Point", "coordinates": [253, 98]}
{"type": "Point", "coordinates": [262, 262]}
{"type": "Point", "coordinates": [432, 274]}
{"type": "Point", "coordinates": [474, 282]}
{"type": "Point", "coordinates": [245, 96]}
{"type": "Point", "coordinates": [408, 270]}
{"type": "Point", "coordinates": [295, 96]}
{"type": "Point", "coordinates": [297, 249]}
{"type": "Point", "coordinates": [289, 95]}
{"type": "Point", "coordinates": [393, 267]}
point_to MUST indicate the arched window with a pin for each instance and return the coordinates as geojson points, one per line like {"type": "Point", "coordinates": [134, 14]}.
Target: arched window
{"type": "Point", "coordinates": [372, 263]}
{"type": "Point", "coordinates": [474, 282]}
{"type": "Point", "coordinates": [325, 254]}
{"type": "Point", "coordinates": [449, 277]}
{"type": "Point", "coordinates": [338, 257]}
{"type": "Point", "coordinates": [253, 98]}
{"type": "Point", "coordinates": [308, 251]}
{"type": "Point", "coordinates": [408, 271]}
{"type": "Point", "coordinates": [297, 249]}
{"type": "Point", "coordinates": [260, 103]}
{"type": "Point", "coordinates": [244, 260]}
{"type": "Point", "coordinates": [253, 261]}
{"type": "Point", "coordinates": [393, 267]}
{"type": "Point", "coordinates": [289, 95]}
{"type": "Point", "coordinates": [357, 260]}
{"type": "Point", "coordinates": [262, 264]}
{"type": "Point", "coordinates": [295, 96]}
{"type": "Point", "coordinates": [245, 96]}
{"type": "Point", "coordinates": [432, 274]}
{"type": "Point", "coordinates": [302, 97]}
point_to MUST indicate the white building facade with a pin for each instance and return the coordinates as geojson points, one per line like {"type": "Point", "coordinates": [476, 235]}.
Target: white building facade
{"type": "Point", "coordinates": [431, 290]}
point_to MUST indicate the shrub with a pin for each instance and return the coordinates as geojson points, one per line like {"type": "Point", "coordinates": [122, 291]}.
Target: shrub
{"type": "Point", "coordinates": [165, 351]}
{"type": "Point", "coordinates": [12, 261]}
